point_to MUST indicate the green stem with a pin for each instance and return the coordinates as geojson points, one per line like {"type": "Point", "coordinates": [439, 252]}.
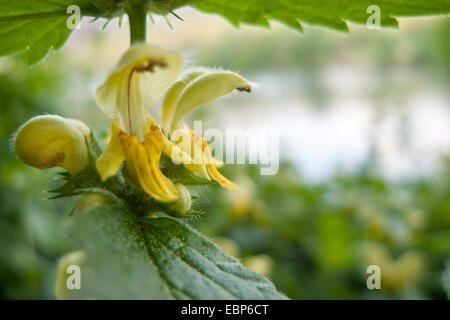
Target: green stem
{"type": "Point", "coordinates": [137, 16]}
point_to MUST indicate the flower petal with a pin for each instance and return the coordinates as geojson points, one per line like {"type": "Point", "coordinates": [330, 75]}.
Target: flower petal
{"type": "Point", "coordinates": [207, 87]}
{"type": "Point", "coordinates": [110, 160]}
{"type": "Point", "coordinates": [180, 156]}
{"type": "Point", "coordinates": [191, 144]}
{"type": "Point", "coordinates": [142, 75]}
{"type": "Point", "coordinates": [176, 153]}
{"type": "Point", "coordinates": [145, 160]}
{"type": "Point", "coordinates": [172, 97]}
{"type": "Point", "coordinates": [215, 174]}
{"type": "Point", "coordinates": [224, 182]}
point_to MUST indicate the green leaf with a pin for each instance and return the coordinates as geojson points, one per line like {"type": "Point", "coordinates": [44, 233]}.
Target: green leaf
{"type": "Point", "coordinates": [33, 28]}
{"type": "Point", "coordinates": [152, 258]}
{"type": "Point", "coordinates": [328, 13]}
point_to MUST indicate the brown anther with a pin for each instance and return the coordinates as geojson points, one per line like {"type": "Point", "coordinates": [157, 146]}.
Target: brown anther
{"type": "Point", "coordinates": [246, 88]}
{"type": "Point", "coordinates": [151, 64]}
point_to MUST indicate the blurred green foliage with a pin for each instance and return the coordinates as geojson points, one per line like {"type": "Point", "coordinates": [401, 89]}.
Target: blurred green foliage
{"type": "Point", "coordinates": [30, 241]}
{"type": "Point", "coordinates": [321, 237]}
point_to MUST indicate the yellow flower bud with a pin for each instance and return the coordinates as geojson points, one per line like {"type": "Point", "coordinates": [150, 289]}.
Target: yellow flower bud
{"type": "Point", "coordinates": [52, 141]}
{"type": "Point", "coordinates": [184, 200]}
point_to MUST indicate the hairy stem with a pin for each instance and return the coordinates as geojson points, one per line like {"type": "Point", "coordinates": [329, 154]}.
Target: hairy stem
{"type": "Point", "coordinates": [137, 15]}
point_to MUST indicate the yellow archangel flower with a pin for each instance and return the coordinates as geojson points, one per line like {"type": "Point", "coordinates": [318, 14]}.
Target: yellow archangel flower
{"type": "Point", "coordinates": [141, 77]}
{"type": "Point", "coordinates": [181, 143]}
{"type": "Point", "coordinates": [144, 73]}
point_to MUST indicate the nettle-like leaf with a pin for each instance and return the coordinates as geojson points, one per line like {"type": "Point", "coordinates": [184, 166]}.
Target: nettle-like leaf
{"type": "Point", "coordinates": [33, 27]}
{"type": "Point", "coordinates": [127, 257]}
{"type": "Point", "coordinates": [328, 13]}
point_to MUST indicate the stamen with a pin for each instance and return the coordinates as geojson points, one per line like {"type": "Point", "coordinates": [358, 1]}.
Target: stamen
{"type": "Point", "coordinates": [245, 88]}
{"type": "Point", "coordinates": [151, 65]}
{"type": "Point", "coordinates": [128, 100]}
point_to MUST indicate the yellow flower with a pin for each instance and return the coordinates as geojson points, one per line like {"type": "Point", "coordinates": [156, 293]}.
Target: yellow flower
{"type": "Point", "coordinates": [143, 74]}
{"type": "Point", "coordinates": [141, 77]}
{"type": "Point", "coordinates": [181, 143]}
{"type": "Point", "coordinates": [52, 141]}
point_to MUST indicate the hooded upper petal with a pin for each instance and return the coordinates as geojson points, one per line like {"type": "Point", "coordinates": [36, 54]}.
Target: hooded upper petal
{"type": "Point", "coordinates": [143, 74]}
{"type": "Point", "coordinates": [198, 87]}
{"type": "Point", "coordinates": [172, 97]}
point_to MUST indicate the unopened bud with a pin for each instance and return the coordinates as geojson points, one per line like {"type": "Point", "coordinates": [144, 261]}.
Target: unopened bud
{"type": "Point", "coordinates": [52, 141]}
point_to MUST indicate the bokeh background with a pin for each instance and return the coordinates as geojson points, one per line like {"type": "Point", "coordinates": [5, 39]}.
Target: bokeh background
{"type": "Point", "coordinates": [364, 126]}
